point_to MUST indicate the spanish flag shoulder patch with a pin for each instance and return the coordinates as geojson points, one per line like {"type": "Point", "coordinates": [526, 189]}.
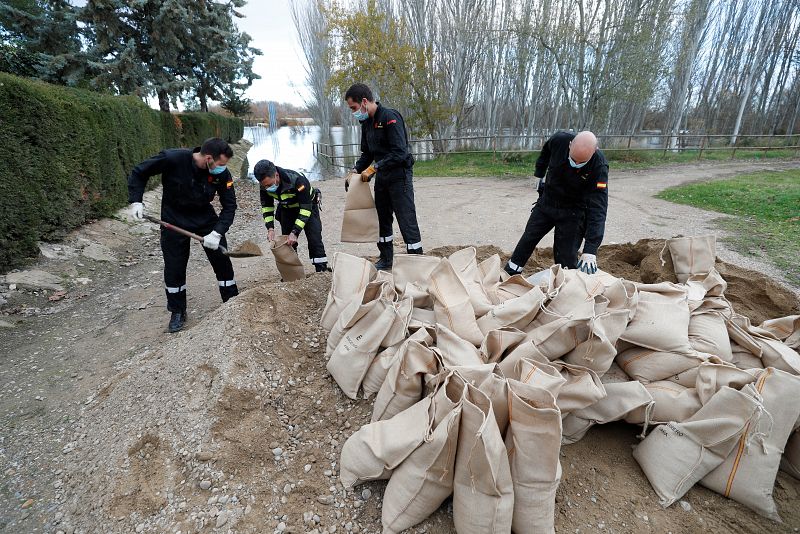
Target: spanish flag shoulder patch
{"type": "Point", "coordinates": [602, 185]}
{"type": "Point", "coordinates": [392, 121]}
{"type": "Point", "coordinates": [229, 184]}
{"type": "Point", "coordinates": [300, 187]}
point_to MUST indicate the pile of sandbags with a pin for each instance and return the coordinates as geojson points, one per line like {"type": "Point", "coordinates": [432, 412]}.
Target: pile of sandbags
{"type": "Point", "coordinates": [478, 378]}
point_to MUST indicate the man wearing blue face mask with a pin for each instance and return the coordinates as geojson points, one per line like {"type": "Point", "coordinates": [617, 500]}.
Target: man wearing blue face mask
{"type": "Point", "coordinates": [573, 199]}
{"type": "Point", "coordinates": [297, 208]}
{"type": "Point", "coordinates": [191, 178]}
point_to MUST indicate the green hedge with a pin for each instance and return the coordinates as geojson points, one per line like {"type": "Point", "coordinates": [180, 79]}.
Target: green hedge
{"type": "Point", "coordinates": [65, 155]}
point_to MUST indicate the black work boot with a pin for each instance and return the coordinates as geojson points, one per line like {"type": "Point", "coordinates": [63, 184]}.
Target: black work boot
{"type": "Point", "coordinates": [387, 257]}
{"type": "Point", "coordinates": [322, 267]}
{"type": "Point", "coordinates": [510, 270]}
{"type": "Point", "coordinates": [415, 251]}
{"type": "Point", "coordinates": [177, 321]}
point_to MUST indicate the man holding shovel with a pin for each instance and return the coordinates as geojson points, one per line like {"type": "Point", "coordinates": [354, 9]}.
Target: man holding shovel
{"type": "Point", "coordinates": [384, 154]}
{"type": "Point", "coordinates": [297, 208]}
{"type": "Point", "coordinates": [191, 179]}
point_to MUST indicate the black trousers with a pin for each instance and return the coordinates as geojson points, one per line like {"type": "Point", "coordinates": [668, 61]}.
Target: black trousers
{"type": "Point", "coordinates": [394, 197]}
{"type": "Point", "coordinates": [175, 248]}
{"type": "Point", "coordinates": [312, 229]}
{"type": "Point", "coordinates": [569, 224]}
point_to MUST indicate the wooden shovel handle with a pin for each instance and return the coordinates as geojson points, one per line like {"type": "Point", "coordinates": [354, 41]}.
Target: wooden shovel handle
{"type": "Point", "coordinates": [174, 228]}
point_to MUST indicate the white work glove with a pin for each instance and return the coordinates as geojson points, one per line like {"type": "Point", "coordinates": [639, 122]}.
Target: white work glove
{"type": "Point", "coordinates": [137, 211]}
{"type": "Point", "coordinates": [211, 241]}
{"type": "Point", "coordinates": [588, 263]}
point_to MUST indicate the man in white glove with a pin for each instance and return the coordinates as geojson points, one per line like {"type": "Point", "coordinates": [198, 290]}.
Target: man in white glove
{"type": "Point", "coordinates": [191, 179]}
{"type": "Point", "coordinates": [588, 263]}
{"type": "Point", "coordinates": [573, 201]}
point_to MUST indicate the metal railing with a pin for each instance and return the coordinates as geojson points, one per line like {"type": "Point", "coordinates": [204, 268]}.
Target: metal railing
{"type": "Point", "coordinates": [343, 155]}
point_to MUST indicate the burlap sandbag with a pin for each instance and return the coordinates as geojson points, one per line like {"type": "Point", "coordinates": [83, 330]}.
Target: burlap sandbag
{"type": "Point", "coordinates": [490, 270]}
{"type": "Point", "coordinates": [451, 303]}
{"type": "Point", "coordinates": [539, 374]}
{"type": "Point", "coordinates": [675, 456]}
{"type": "Point", "coordinates": [692, 255]}
{"type": "Point", "coordinates": [581, 389]}
{"type": "Point", "coordinates": [572, 298]}
{"type": "Point", "coordinates": [360, 219]}
{"type": "Point", "coordinates": [558, 337]}
{"type": "Point", "coordinates": [773, 352]}
{"type": "Point", "coordinates": [379, 447]}
{"type": "Point", "coordinates": [491, 381]}
{"type": "Point", "coordinates": [358, 307]}
{"type": "Point", "coordinates": [708, 333]}
{"type": "Point", "coordinates": [517, 312]}
{"type": "Point", "coordinates": [353, 355]}
{"type": "Point", "coordinates": [748, 474]}
{"type": "Point", "coordinates": [526, 349]}
{"type": "Point", "coordinates": [412, 274]}
{"type": "Point", "coordinates": [621, 399]}
{"type": "Point", "coordinates": [662, 319]}
{"type": "Point", "coordinates": [500, 342]}
{"type": "Point", "coordinates": [424, 480]}
{"type": "Point", "coordinates": [790, 462]}
{"type": "Point", "coordinates": [405, 381]}
{"type": "Point", "coordinates": [513, 287]}
{"type": "Point", "coordinates": [672, 402]}
{"type": "Point", "coordinates": [621, 295]}
{"type": "Point", "coordinates": [713, 377]}
{"type": "Point", "coordinates": [614, 375]}
{"type": "Point", "coordinates": [483, 493]}
{"type": "Point", "coordinates": [454, 350]}
{"type": "Point", "coordinates": [350, 276]}
{"type": "Point", "coordinates": [647, 365]}
{"type": "Point", "coordinates": [379, 368]}
{"type": "Point", "coordinates": [598, 352]}
{"type": "Point", "coordinates": [422, 318]}
{"type": "Point", "coordinates": [465, 263]}
{"type": "Point", "coordinates": [744, 359]}
{"type": "Point", "coordinates": [786, 329]}
{"type": "Point", "coordinates": [533, 443]}
{"type": "Point", "coordinates": [287, 260]}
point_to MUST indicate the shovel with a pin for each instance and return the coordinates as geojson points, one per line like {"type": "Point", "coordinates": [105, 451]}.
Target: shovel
{"type": "Point", "coordinates": [248, 249]}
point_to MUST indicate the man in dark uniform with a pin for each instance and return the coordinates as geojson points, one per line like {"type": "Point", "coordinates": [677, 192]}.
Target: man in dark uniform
{"type": "Point", "coordinates": [297, 209]}
{"type": "Point", "coordinates": [384, 153]}
{"type": "Point", "coordinates": [190, 179]}
{"type": "Point", "coordinates": [573, 199]}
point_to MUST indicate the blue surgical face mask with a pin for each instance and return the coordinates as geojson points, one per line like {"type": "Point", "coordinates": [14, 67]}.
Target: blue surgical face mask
{"type": "Point", "coordinates": [360, 116]}
{"type": "Point", "coordinates": [272, 188]}
{"type": "Point", "coordinates": [576, 165]}
{"type": "Point", "coordinates": [219, 169]}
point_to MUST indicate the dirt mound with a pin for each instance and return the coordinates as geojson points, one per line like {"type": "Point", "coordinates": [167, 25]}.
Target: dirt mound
{"type": "Point", "coordinates": [235, 423]}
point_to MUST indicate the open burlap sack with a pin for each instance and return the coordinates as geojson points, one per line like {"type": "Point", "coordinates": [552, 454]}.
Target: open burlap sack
{"type": "Point", "coordinates": [598, 352]}
{"type": "Point", "coordinates": [672, 402]}
{"type": "Point", "coordinates": [465, 264]}
{"type": "Point", "coordinates": [379, 447]}
{"type": "Point", "coordinates": [692, 255]}
{"type": "Point", "coordinates": [451, 303]}
{"type": "Point", "coordinates": [491, 381]}
{"type": "Point", "coordinates": [748, 474]}
{"type": "Point", "coordinates": [581, 389]}
{"type": "Point", "coordinates": [647, 365]}
{"type": "Point", "coordinates": [350, 276]}
{"type": "Point", "coordinates": [424, 480]}
{"type": "Point", "coordinates": [786, 329]}
{"type": "Point", "coordinates": [512, 287]}
{"type": "Point", "coordinates": [500, 342]}
{"type": "Point", "coordinates": [287, 260]}
{"type": "Point", "coordinates": [412, 274]}
{"type": "Point", "coordinates": [517, 312]}
{"type": "Point", "coordinates": [368, 298]}
{"type": "Point", "coordinates": [360, 219]}
{"type": "Point", "coordinates": [454, 350]}
{"type": "Point", "coordinates": [379, 368]}
{"type": "Point", "coordinates": [675, 456]}
{"type": "Point", "coordinates": [533, 443]}
{"type": "Point", "coordinates": [713, 377]}
{"type": "Point", "coordinates": [405, 381]}
{"type": "Point", "coordinates": [621, 399]}
{"type": "Point", "coordinates": [790, 462]}
{"type": "Point", "coordinates": [353, 355]}
{"type": "Point", "coordinates": [662, 319]}
{"type": "Point", "coordinates": [483, 492]}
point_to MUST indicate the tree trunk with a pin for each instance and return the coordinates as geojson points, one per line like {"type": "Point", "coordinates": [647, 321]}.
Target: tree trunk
{"type": "Point", "coordinates": [163, 100]}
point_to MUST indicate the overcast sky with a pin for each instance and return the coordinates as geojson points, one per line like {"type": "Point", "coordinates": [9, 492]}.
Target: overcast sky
{"type": "Point", "coordinates": [269, 23]}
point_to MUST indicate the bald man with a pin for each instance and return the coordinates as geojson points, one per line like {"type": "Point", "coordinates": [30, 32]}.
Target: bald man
{"type": "Point", "coordinates": [573, 199]}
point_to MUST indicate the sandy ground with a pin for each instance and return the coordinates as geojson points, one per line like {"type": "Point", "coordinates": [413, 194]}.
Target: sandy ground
{"type": "Point", "coordinates": [59, 359]}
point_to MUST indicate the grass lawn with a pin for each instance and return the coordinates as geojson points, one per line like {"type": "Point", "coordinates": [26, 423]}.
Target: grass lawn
{"type": "Point", "coordinates": [767, 210]}
{"type": "Point", "coordinates": [522, 164]}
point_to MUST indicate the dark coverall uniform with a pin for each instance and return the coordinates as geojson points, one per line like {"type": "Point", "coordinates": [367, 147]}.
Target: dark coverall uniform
{"type": "Point", "coordinates": [297, 211]}
{"type": "Point", "coordinates": [186, 203]}
{"type": "Point", "coordinates": [574, 201]}
{"type": "Point", "coordinates": [384, 141]}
